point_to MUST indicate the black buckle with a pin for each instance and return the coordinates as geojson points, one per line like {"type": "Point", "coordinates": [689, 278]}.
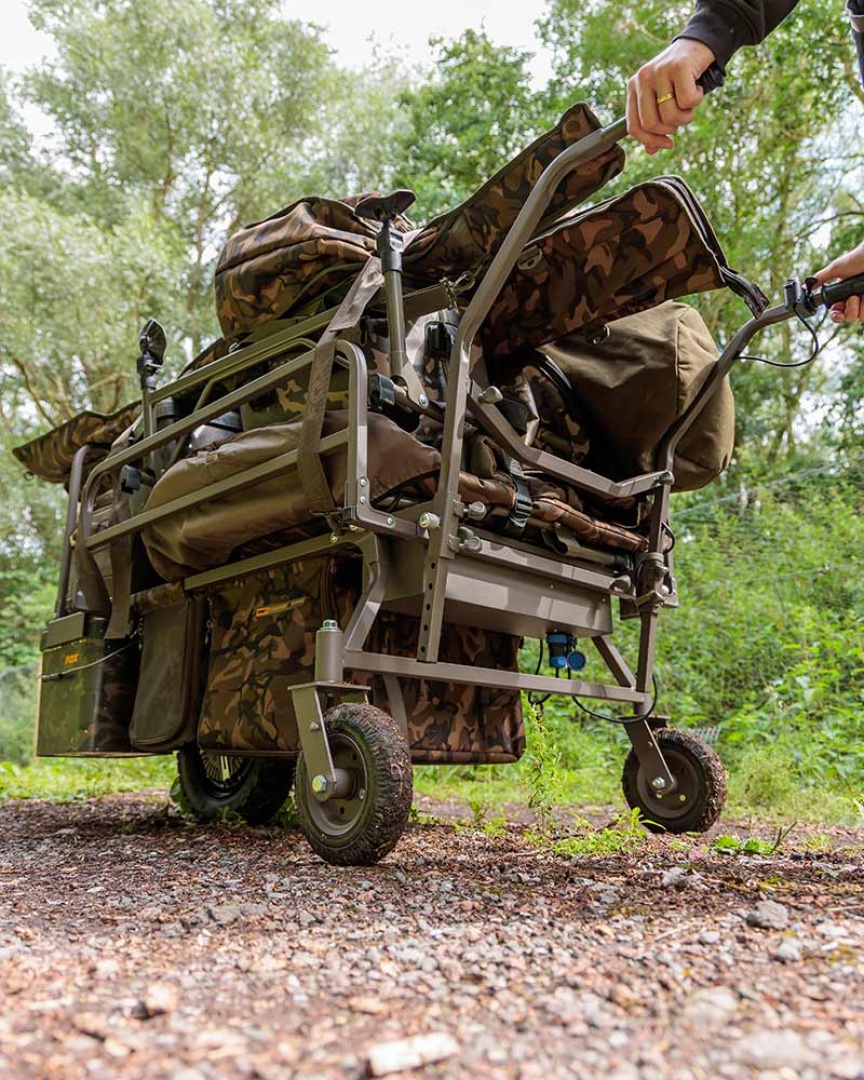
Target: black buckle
{"type": "Point", "coordinates": [522, 504]}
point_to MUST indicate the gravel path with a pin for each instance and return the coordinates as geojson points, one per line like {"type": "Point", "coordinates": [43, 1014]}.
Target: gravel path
{"type": "Point", "coordinates": [134, 945]}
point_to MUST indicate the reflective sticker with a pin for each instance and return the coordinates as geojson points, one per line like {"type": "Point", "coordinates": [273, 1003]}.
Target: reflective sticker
{"type": "Point", "coordinates": [277, 609]}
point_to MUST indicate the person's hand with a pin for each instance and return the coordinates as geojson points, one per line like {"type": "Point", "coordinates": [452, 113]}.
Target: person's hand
{"type": "Point", "coordinates": [663, 94]}
{"type": "Point", "coordinates": [846, 266]}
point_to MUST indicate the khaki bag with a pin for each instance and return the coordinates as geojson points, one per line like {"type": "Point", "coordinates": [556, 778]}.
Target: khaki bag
{"type": "Point", "coordinates": [633, 386]}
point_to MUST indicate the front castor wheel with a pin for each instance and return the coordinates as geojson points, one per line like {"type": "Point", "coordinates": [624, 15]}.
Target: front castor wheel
{"type": "Point", "coordinates": [696, 802]}
{"type": "Point", "coordinates": [360, 825]}
{"type": "Point", "coordinates": [211, 783]}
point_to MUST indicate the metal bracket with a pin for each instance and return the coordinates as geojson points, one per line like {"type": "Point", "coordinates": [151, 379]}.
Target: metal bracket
{"type": "Point", "coordinates": [650, 758]}
{"type": "Point", "coordinates": [326, 781]}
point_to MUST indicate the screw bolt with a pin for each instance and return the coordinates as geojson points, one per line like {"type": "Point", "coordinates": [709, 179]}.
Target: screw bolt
{"type": "Point", "coordinates": [429, 521]}
{"type": "Point", "coordinates": [659, 783]}
{"type": "Point", "coordinates": [319, 784]}
{"type": "Point", "coordinates": [390, 522]}
{"type": "Point", "coordinates": [422, 401]}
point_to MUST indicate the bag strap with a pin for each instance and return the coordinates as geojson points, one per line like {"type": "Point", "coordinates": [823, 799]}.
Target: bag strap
{"type": "Point", "coordinates": [309, 466]}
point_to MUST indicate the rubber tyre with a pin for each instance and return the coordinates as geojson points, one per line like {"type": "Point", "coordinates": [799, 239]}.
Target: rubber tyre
{"type": "Point", "coordinates": [256, 789]}
{"type": "Point", "coordinates": [701, 778]}
{"type": "Point", "coordinates": [361, 829]}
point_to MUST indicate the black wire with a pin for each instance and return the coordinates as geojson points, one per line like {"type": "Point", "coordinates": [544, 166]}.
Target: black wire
{"type": "Point", "coordinates": [655, 696]}
{"type": "Point", "coordinates": [797, 363]}
{"type": "Point", "coordinates": [532, 700]}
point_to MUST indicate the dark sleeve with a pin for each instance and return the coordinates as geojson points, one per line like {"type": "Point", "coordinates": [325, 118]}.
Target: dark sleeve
{"type": "Point", "coordinates": [726, 25]}
{"type": "Point", "coordinates": [855, 10]}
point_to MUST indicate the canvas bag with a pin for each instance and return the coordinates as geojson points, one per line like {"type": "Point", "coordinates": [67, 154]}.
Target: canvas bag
{"type": "Point", "coordinates": [263, 642]}
{"type": "Point", "coordinates": [634, 385]}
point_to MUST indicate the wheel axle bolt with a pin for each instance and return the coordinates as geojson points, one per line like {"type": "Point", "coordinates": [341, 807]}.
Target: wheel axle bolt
{"type": "Point", "coordinates": [658, 783]}
{"type": "Point", "coordinates": [319, 784]}
{"type": "Point", "coordinates": [682, 798]}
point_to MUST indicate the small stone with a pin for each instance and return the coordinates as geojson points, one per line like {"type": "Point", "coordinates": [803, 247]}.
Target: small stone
{"type": "Point", "coordinates": [369, 1005]}
{"type": "Point", "coordinates": [710, 1008]}
{"type": "Point", "coordinates": [789, 951]}
{"type": "Point", "coordinates": [91, 1024]}
{"type": "Point", "coordinates": [674, 878]}
{"type": "Point", "coordinates": [223, 914]}
{"type": "Point", "coordinates": [848, 1067]}
{"type": "Point", "coordinates": [406, 1054]}
{"type": "Point", "coordinates": [773, 1050]}
{"type": "Point", "coordinates": [768, 915]}
{"type": "Point", "coordinates": [160, 998]}
{"type": "Point", "coordinates": [709, 937]}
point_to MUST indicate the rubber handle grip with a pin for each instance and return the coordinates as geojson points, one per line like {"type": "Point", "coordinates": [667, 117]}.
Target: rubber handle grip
{"type": "Point", "coordinates": [842, 290]}
{"type": "Point", "coordinates": [712, 78]}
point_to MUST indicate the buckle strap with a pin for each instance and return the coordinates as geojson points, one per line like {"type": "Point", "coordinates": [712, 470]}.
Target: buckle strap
{"type": "Point", "coordinates": [522, 503]}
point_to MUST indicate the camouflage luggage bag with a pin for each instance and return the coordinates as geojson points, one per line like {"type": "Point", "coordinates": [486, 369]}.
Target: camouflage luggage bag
{"type": "Point", "coordinates": [263, 636]}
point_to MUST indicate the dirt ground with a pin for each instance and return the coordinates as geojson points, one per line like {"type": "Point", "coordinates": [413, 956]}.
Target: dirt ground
{"type": "Point", "coordinates": [135, 945]}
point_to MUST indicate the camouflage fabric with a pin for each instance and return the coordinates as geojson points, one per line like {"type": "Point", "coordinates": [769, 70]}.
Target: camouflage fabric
{"type": "Point", "coordinates": [468, 237]}
{"type": "Point", "coordinates": [450, 723]}
{"type": "Point", "coordinates": [622, 257]}
{"type": "Point", "coordinates": [85, 699]}
{"type": "Point", "coordinates": [263, 642]}
{"type": "Point", "coordinates": [275, 265]}
{"type": "Point", "coordinates": [50, 456]}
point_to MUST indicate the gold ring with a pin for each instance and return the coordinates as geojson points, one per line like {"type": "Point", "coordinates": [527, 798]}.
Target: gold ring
{"type": "Point", "coordinates": [664, 97]}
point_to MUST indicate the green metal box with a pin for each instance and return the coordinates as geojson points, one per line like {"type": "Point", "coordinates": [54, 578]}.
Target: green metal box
{"type": "Point", "coordinates": [86, 691]}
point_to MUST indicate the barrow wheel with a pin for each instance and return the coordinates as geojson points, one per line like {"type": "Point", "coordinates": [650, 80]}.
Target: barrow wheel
{"type": "Point", "coordinates": [696, 803]}
{"type": "Point", "coordinates": [366, 824]}
{"type": "Point", "coordinates": [211, 783]}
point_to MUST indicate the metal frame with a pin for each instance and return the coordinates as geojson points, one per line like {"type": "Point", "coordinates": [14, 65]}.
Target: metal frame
{"type": "Point", "coordinates": [419, 567]}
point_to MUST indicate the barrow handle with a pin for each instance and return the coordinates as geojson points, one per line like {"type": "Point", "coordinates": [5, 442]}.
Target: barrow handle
{"type": "Point", "coordinates": [841, 291]}
{"type": "Point", "coordinates": [712, 78]}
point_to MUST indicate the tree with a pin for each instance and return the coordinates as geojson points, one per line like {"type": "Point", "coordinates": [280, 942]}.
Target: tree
{"type": "Point", "coordinates": [477, 111]}
{"type": "Point", "coordinates": [199, 110]}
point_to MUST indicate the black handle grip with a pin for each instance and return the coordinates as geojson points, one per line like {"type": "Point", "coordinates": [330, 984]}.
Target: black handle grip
{"type": "Point", "coordinates": [840, 291]}
{"type": "Point", "coordinates": [712, 78]}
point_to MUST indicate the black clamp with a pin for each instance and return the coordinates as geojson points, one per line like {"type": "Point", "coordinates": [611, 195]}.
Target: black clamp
{"type": "Point", "coordinates": [522, 502]}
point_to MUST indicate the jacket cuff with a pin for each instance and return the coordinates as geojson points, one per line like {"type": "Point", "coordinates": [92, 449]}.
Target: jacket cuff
{"type": "Point", "coordinates": [723, 35]}
{"type": "Point", "coordinates": [855, 11]}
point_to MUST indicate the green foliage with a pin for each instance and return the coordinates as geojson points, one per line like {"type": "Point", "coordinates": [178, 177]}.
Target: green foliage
{"type": "Point", "coordinates": [750, 845]}
{"type": "Point", "coordinates": [63, 780]}
{"type": "Point", "coordinates": [623, 837]}
{"type": "Point", "coordinates": [476, 112]}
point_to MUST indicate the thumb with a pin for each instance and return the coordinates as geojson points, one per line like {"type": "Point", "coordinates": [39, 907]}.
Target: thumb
{"type": "Point", "coordinates": [832, 270]}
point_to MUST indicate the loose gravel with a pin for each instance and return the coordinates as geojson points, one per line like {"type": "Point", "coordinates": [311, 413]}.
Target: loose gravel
{"type": "Point", "coordinates": [134, 945]}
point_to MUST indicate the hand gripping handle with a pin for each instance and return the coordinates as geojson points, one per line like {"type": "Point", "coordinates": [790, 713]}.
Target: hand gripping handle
{"type": "Point", "coordinates": [842, 290]}
{"type": "Point", "coordinates": [712, 78]}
